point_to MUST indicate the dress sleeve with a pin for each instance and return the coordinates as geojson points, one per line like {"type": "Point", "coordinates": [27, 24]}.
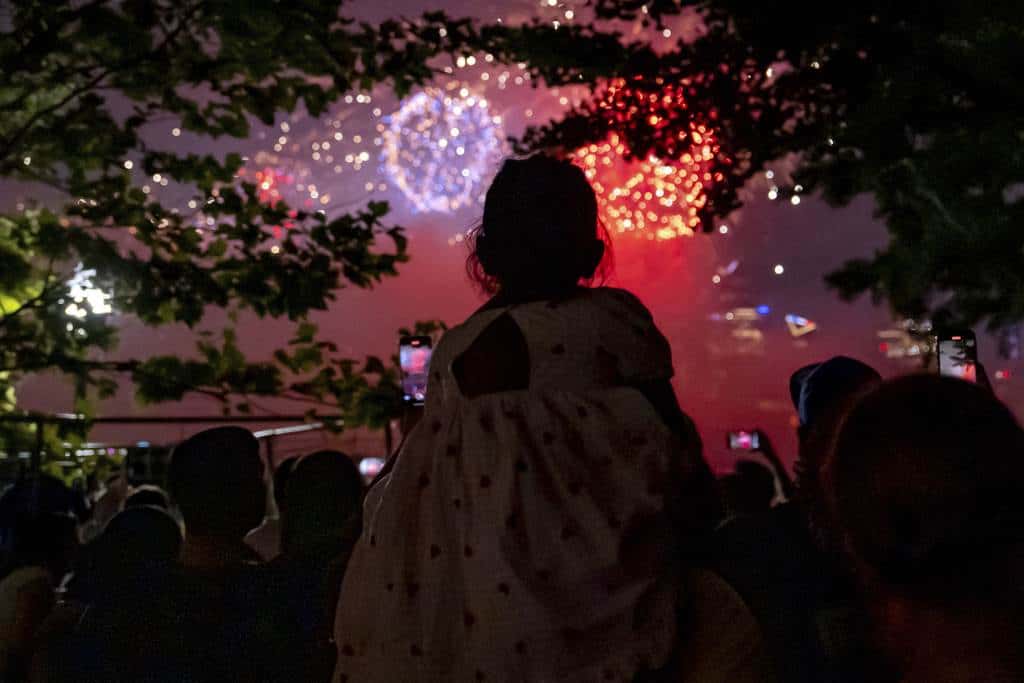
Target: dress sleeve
{"type": "Point", "coordinates": [438, 385]}
{"type": "Point", "coordinates": [640, 351]}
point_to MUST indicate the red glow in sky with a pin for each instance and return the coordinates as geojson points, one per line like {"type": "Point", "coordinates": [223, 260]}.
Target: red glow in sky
{"type": "Point", "coordinates": [271, 184]}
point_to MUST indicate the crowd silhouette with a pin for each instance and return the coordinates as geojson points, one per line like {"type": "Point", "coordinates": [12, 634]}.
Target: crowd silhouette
{"type": "Point", "coordinates": [549, 517]}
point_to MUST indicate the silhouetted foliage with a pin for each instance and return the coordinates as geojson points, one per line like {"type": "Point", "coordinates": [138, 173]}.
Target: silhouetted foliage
{"type": "Point", "coordinates": [914, 103]}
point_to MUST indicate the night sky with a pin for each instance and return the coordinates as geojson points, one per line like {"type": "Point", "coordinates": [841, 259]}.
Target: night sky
{"type": "Point", "coordinates": [729, 374]}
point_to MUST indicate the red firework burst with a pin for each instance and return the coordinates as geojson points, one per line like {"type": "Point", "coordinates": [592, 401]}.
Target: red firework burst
{"type": "Point", "coordinates": [271, 184]}
{"type": "Point", "coordinates": [653, 198]}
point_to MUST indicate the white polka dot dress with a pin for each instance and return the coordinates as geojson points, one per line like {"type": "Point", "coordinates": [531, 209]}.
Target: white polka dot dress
{"type": "Point", "coordinates": [507, 543]}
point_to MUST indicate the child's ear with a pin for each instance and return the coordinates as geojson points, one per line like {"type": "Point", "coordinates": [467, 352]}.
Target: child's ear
{"type": "Point", "coordinates": [591, 258]}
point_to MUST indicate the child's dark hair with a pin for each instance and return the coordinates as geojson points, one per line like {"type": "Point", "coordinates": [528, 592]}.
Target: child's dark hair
{"type": "Point", "coordinates": [540, 230]}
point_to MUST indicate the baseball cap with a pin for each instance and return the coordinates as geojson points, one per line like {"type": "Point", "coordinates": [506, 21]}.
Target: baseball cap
{"type": "Point", "coordinates": [815, 387]}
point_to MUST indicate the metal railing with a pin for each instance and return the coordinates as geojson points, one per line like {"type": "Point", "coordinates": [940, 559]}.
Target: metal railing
{"type": "Point", "coordinates": [310, 422]}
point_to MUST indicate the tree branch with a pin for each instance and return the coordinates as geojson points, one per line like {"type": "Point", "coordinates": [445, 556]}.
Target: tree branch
{"type": "Point", "coordinates": [8, 145]}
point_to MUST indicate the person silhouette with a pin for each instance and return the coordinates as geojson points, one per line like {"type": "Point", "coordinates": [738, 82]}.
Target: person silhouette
{"type": "Point", "coordinates": [534, 523]}
{"type": "Point", "coordinates": [925, 486]}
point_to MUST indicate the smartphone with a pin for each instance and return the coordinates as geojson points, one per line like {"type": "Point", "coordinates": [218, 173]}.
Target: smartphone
{"type": "Point", "coordinates": [743, 441]}
{"type": "Point", "coordinates": [370, 468]}
{"type": "Point", "coordinates": [958, 355]}
{"type": "Point", "coordinates": [414, 359]}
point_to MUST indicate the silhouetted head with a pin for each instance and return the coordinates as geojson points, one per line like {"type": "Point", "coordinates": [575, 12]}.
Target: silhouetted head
{"type": "Point", "coordinates": [138, 536]}
{"type": "Point", "coordinates": [926, 482]}
{"type": "Point", "coordinates": [748, 490]}
{"type": "Point", "coordinates": [281, 475]}
{"type": "Point", "coordinates": [816, 388]}
{"type": "Point", "coordinates": [540, 232]}
{"type": "Point", "coordinates": [45, 539]}
{"type": "Point", "coordinates": [38, 520]}
{"type": "Point", "coordinates": [216, 480]}
{"type": "Point", "coordinates": [821, 394]}
{"type": "Point", "coordinates": [147, 494]}
{"type": "Point", "coordinates": [36, 495]}
{"type": "Point", "coordinates": [325, 497]}
{"type": "Point", "coordinates": [137, 542]}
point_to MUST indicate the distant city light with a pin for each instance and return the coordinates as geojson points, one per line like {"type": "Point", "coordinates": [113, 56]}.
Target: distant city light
{"type": "Point", "coordinates": [799, 326]}
{"type": "Point", "coordinates": [86, 297]}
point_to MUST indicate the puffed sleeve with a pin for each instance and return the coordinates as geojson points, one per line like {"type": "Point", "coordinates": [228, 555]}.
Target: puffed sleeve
{"type": "Point", "coordinates": [628, 333]}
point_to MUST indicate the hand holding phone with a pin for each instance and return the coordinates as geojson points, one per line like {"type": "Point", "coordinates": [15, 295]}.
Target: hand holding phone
{"type": "Point", "coordinates": [957, 353]}
{"type": "Point", "coordinates": [414, 359]}
{"type": "Point", "coordinates": [754, 440]}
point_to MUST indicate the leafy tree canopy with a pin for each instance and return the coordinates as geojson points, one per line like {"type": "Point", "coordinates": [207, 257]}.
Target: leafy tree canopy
{"type": "Point", "coordinates": [914, 103]}
{"type": "Point", "coordinates": [80, 84]}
